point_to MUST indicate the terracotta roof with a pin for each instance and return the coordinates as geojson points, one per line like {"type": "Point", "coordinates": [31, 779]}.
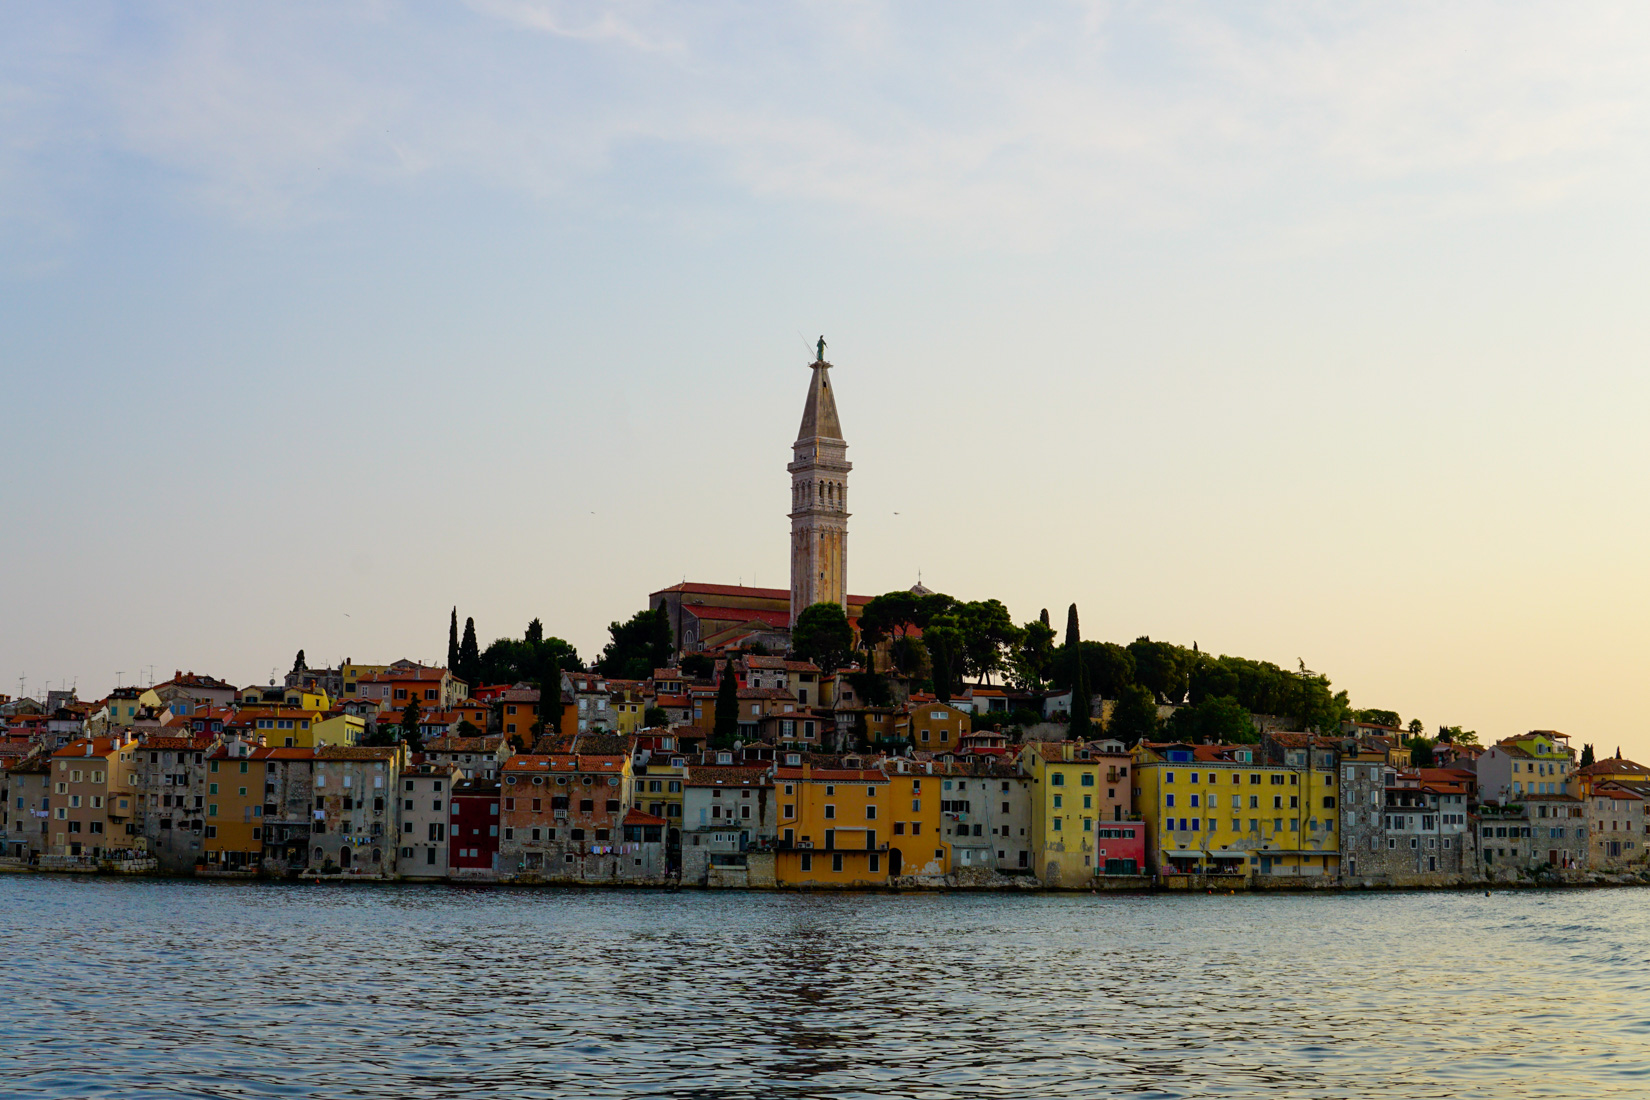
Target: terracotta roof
{"type": "Point", "coordinates": [463, 744]}
{"type": "Point", "coordinates": [100, 746]}
{"type": "Point", "coordinates": [637, 817]}
{"type": "Point", "coordinates": [837, 775]}
{"type": "Point", "coordinates": [356, 752]}
{"type": "Point", "coordinates": [695, 588]}
{"type": "Point", "coordinates": [725, 776]}
{"type": "Point", "coordinates": [1615, 765]}
{"type": "Point", "coordinates": [558, 762]}
{"type": "Point", "coordinates": [283, 753]}
{"type": "Point", "coordinates": [188, 744]}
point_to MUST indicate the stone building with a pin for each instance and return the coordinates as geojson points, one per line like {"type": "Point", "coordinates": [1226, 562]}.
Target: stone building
{"type": "Point", "coordinates": [354, 785]}
{"type": "Point", "coordinates": [167, 778]}
{"type": "Point", "coordinates": [562, 815]}
{"type": "Point", "coordinates": [1618, 827]}
{"type": "Point", "coordinates": [726, 811]}
{"type": "Point", "coordinates": [290, 814]}
{"type": "Point", "coordinates": [425, 811]}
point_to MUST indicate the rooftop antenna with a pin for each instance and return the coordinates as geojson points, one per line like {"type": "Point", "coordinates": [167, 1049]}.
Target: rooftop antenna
{"type": "Point", "coordinates": [119, 672]}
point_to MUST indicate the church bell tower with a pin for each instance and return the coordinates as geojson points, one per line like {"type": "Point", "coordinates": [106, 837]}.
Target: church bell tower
{"type": "Point", "coordinates": [819, 499]}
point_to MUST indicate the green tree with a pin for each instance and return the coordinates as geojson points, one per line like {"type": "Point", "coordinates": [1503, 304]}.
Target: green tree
{"type": "Point", "coordinates": [298, 663]}
{"type": "Point", "coordinates": [1587, 756]}
{"type": "Point", "coordinates": [908, 656]}
{"type": "Point", "coordinates": [1455, 735]}
{"type": "Point", "coordinates": [452, 642]}
{"type": "Point", "coordinates": [1135, 717]}
{"type": "Point", "coordinates": [639, 645]}
{"type": "Point", "coordinates": [1415, 726]}
{"type": "Point", "coordinates": [822, 635]}
{"type": "Point", "coordinates": [1212, 722]}
{"type": "Point", "coordinates": [1162, 668]}
{"type": "Point", "coordinates": [1032, 661]}
{"type": "Point", "coordinates": [551, 706]}
{"type": "Point", "coordinates": [410, 732]}
{"type": "Point", "coordinates": [698, 666]}
{"type": "Point", "coordinates": [1420, 752]}
{"type": "Point", "coordinates": [469, 656]}
{"type": "Point", "coordinates": [520, 660]}
{"type": "Point", "coordinates": [726, 731]}
{"type": "Point", "coordinates": [655, 717]}
{"type": "Point", "coordinates": [467, 728]}
{"type": "Point", "coordinates": [1387, 718]}
{"type": "Point", "coordinates": [1082, 704]}
{"type": "Point", "coordinates": [987, 633]}
{"type": "Point", "coordinates": [871, 689]}
{"type": "Point", "coordinates": [945, 656]}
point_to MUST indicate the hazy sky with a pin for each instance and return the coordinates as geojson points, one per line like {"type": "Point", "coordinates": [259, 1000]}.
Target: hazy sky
{"type": "Point", "coordinates": [1300, 332]}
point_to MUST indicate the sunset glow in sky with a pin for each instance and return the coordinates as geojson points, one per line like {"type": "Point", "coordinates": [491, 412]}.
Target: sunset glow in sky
{"type": "Point", "coordinates": [1301, 333]}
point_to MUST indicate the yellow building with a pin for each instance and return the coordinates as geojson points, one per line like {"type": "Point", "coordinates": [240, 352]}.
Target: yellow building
{"type": "Point", "coordinates": [937, 726]}
{"type": "Point", "coordinates": [1068, 800]}
{"type": "Point", "coordinates": [297, 728]}
{"type": "Point", "coordinates": [234, 840]}
{"type": "Point", "coordinates": [627, 704]}
{"type": "Point", "coordinates": [350, 673]}
{"type": "Point", "coordinates": [1222, 809]}
{"type": "Point", "coordinates": [834, 827]}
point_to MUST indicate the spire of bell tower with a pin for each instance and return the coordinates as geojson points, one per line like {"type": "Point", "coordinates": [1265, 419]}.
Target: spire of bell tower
{"type": "Point", "coordinates": [819, 498]}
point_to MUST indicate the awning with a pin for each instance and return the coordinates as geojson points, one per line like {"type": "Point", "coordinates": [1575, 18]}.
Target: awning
{"type": "Point", "coordinates": [1184, 853]}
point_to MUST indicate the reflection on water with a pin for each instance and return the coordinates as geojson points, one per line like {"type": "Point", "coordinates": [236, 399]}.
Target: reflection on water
{"type": "Point", "coordinates": [179, 989]}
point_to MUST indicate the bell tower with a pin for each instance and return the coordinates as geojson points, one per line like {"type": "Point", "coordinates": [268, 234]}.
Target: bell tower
{"type": "Point", "coordinates": [819, 499]}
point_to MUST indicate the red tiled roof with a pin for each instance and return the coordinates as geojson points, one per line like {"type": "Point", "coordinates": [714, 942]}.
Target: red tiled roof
{"type": "Point", "coordinates": [637, 817]}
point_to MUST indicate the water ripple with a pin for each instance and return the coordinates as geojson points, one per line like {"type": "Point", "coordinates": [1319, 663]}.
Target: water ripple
{"type": "Point", "coordinates": [237, 990]}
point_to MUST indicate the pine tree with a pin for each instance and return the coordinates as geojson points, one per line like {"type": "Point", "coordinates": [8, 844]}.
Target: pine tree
{"type": "Point", "coordinates": [727, 709]}
{"type": "Point", "coordinates": [535, 632]}
{"type": "Point", "coordinates": [1586, 755]}
{"type": "Point", "coordinates": [452, 642]}
{"type": "Point", "coordinates": [298, 664]}
{"type": "Point", "coordinates": [1081, 724]}
{"type": "Point", "coordinates": [469, 655]}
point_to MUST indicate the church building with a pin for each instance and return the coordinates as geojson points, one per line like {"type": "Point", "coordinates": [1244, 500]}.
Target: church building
{"type": "Point", "coordinates": [711, 616]}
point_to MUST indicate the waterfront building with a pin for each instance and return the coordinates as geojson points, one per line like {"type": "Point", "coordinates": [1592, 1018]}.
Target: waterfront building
{"type": "Point", "coordinates": [1618, 827]}
{"type": "Point", "coordinates": [29, 801]}
{"type": "Point", "coordinates": [1506, 841]}
{"type": "Point", "coordinates": [1365, 777]}
{"type": "Point", "coordinates": [1225, 809]}
{"type": "Point", "coordinates": [353, 787]}
{"type": "Point", "coordinates": [233, 839]}
{"type": "Point", "coordinates": [1559, 830]}
{"type": "Point", "coordinates": [292, 816]}
{"type": "Point", "coordinates": [659, 786]}
{"type": "Point", "coordinates": [562, 814]}
{"type": "Point", "coordinates": [837, 826]}
{"type": "Point", "coordinates": [1070, 794]}
{"type": "Point", "coordinates": [92, 803]}
{"type": "Point", "coordinates": [166, 777]}
{"type": "Point", "coordinates": [425, 815]}
{"type": "Point", "coordinates": [985, 815]}
{"type": "Point", "coordinates": [473, 841]}
{"type": "Point", "coordinates": [727, 810]}
{"type": "Point", "coordinates": [1425, 824]}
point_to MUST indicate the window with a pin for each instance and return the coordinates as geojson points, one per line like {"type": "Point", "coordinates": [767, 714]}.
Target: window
{"type": "Point", "coordinates": [807, 861]}
{"type": "Point", "coordinates": [836, 861]}
{"type": "Point", "coordinates": [1058, 779]}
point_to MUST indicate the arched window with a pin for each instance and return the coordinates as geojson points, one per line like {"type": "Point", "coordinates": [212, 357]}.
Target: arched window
{"type": "Point", "coordinates": [319, 854]}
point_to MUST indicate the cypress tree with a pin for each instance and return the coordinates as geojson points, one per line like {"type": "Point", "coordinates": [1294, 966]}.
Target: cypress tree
{"type": "Point", "coordinates": [469, 655]}
{"type": "Point", "coordinates": [550, 708]}
{"type": "Point", "coordinates": [410, 733]}
{"type": "Point", "coordinates": [1081, 705]}
{"type": "Point", "coordinates": [727, 709]}
{"type": "Point", "coordinates": [452, 642]}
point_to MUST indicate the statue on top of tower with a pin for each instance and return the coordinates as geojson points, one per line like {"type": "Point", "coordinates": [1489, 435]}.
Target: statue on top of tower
{"type": "Point", "coordinates": [821, 358]}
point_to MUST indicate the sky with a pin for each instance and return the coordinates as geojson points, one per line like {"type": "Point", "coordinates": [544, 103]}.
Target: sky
{"type": "Point", "coordinates": [1304, 332]}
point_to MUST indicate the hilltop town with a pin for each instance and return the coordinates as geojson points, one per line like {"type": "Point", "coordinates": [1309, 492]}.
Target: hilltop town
{"type": "Point", "coordinates": [733, 736]}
